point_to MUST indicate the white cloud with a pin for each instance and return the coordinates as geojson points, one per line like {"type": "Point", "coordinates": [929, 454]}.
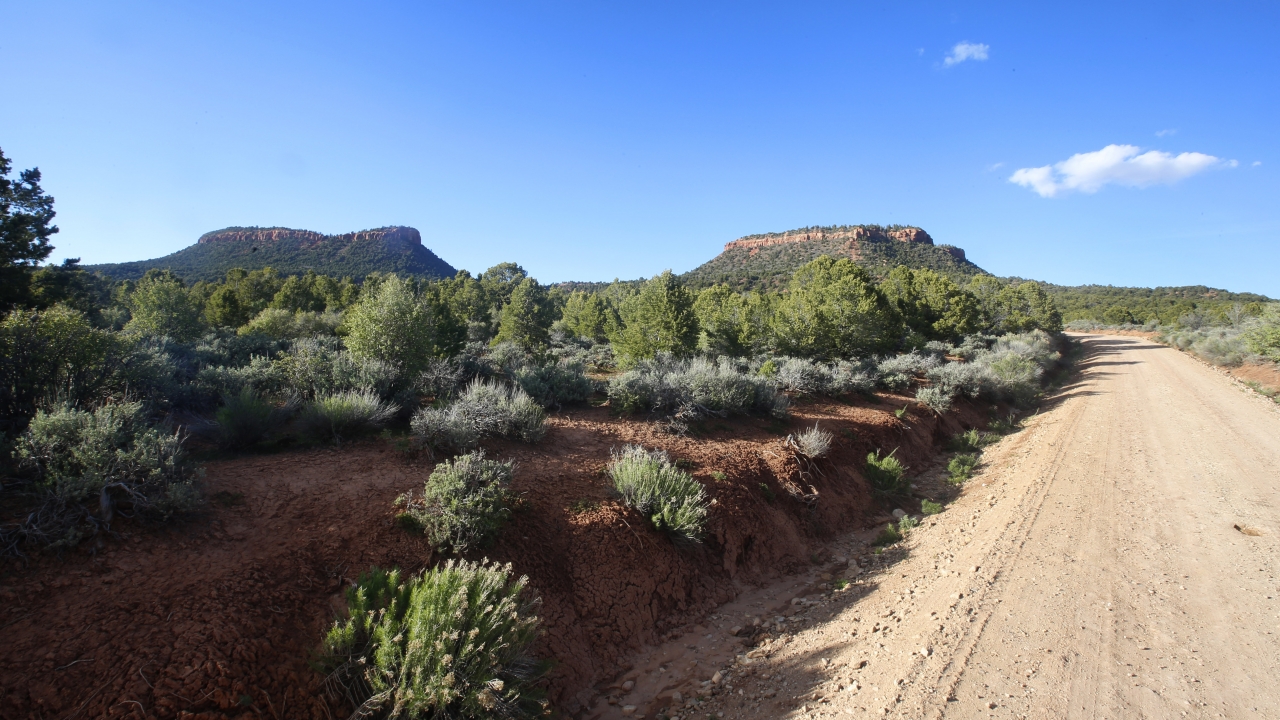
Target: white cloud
{"type": "Point", "coordinates": [1256, 163]}
{"type": "Point", "coordinates": [995, 166]}
{"type": "Point", "coordinates": [1115, 164]}
{"type": "Point", "coordinates": [966, 51]}
{"type": "Point", "coordinates": [1165, 133]}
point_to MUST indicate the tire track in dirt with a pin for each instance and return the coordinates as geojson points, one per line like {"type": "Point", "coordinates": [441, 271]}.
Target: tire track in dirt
{"type": "Point", "coordinates": [1117, 558]}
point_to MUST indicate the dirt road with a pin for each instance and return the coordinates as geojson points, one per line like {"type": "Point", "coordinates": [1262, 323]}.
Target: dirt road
{"type": "Point", "coordinates": [1118, 558]}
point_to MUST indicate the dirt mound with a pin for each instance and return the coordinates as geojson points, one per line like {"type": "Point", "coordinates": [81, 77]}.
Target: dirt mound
{"type": "Point", "coordinates": [219, 617]}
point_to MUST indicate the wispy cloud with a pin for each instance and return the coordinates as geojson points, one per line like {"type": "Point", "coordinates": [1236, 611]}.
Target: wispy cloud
{"type": "Point", "coordinates": [1166, 133]}
{"type": "Point", "coordinates": [966, 51]}
{"type": "Point", "coordinates": [995, 166]}
{"type": "Point", "coordinates": [1256, 163]}
{"type": "Point", "coordinates": [1115, 164]}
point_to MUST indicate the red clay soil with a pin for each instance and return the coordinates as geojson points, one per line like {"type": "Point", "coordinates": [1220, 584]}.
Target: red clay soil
{"type": "Point", "coordinates": [218, 617]}
{"type": "Point", "coordinates": [1268, 376]}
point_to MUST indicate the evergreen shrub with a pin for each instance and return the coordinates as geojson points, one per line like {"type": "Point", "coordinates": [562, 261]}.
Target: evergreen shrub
{"type": "Point", "coordinates": [672, 500]}
{"type": "Point", "coordinates": [453, 642]}
{"type": "Point", "coordinates": [464, 503]}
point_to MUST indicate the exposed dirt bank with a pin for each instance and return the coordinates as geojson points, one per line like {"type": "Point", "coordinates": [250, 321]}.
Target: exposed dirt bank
{"type": "Point", "coordinates": [1118, 558]}
{"type": "Point", "coordinates": [218, 617]}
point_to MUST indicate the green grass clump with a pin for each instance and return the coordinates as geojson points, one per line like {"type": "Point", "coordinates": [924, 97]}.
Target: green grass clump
{"type": "Point", "coordinates": [1005, 426]}
{"type": "Point", "coordinates": [961, 467]}
{"type": "Point", "coordinates": [769, 494]}
{"type": "Point", "coordinates": [888, 536]}
{"type": "Point", "coordinates": [907, 524]}
{"type": "Point", "coordinates": [674, 502]}
{"type": "Point", "coordinates": [972, 440]}
{"type": "Point", "coordinates": [929, 507]}
{"type": "Point", "coordinates": [334, 417]}
{"type": "Point", "coordinates": [453, 642]}
{"type": "Point", "coordinates": [886, 474]}
{"type": "Point", "coordinates": [901, 412]}
{"type": "Point", "coordinates": [245, 419]}
{"type": "Point", "coordinates": [464, 503]}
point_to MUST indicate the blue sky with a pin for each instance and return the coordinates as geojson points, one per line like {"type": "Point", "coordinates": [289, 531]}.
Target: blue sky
{"type": "Point", "coordinates": [599, 140]}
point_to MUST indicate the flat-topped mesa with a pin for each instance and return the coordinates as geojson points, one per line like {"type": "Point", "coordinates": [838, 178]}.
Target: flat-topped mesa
{"type": "Point", "coordinates": [843, 232]}
{"type": "Point", "coordinates": [257, 236]}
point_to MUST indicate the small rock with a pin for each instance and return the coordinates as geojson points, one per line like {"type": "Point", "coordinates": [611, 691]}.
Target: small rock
{"type": "Point", "coordinates": [899, 514]}
{"type": "Point", "coordinates": [735, 629]}
{"type": "Point", "coordinates": [677, 697]}
{"type": "Point", "coordinates": [992, 705]}
{"type": "Point", "coordinates": [825, 576]}
{"type": "Point", "coordinates": [717, 677]}
{"type": "Point", "coordinates": [628, 709]}
{"type": "Point", "coordinates": [626, 686]}
{"type": "Point", "coordinates": [926, 652]}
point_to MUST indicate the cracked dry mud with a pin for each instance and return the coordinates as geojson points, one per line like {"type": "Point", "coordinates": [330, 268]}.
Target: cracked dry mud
{"type": "Point", "coordinates": [1117, 558]}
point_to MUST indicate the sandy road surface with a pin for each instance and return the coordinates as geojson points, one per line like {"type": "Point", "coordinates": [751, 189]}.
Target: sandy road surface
{"type": "Point", "coordinates": [1094, 569]}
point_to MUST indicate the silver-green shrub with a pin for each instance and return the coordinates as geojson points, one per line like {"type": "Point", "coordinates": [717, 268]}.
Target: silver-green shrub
{"type": "Point", "coordinates": [464, 503]}
{"type": "Point", "coordinates": [453, 642]}
{"type": "Point", "coordinates": [962, 378]}
{"type": "Point", "coordinates": [935, 398]}
{"type": "Point", "coordinates": [90, 465]}
{"type": "Point", "coordinates": [555, 383]}
{"type": "Point", "coordinates": [672, 500]}
{"type": "Point", "coordinates": [486, 408]}
{"type": "Point", "coordinates": [909, 364]}
{"type": "Point", "coordinates": [813, 443]}
{"type": "Point", "coordinates": [334, 417]}
{"type": "Point", "coordinates": [722, 387]}
{"type": "Point", "coordinates": [808, 377]}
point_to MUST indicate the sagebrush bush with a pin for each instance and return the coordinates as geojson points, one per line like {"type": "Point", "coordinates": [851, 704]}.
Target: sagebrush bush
{"type": "Point", "coordinates": [807, 377]}
{"type": "Point", "coordinates": [909, 364]}
{"type": "Point", "coordinates": [454, 642]}
{"type": "Point", "coordinates": [721, 387]}
{"type": "Point", "coordinates": [246, 419]}
{"type": "Point", "coordinates": [487, 408]}
{"type": "Point", "coordinates": [929, 507]}
{"type": "Point", "coordinates": [813, 443]}
{"type": "Point", "coordinates": [1223, 346]}
{"type": "Point", "coordinates": [334, 417]}
{"type": "Point", "coordinates": [962, 378]}
{"type": "Point", "coordinates": [887, 474]}
{"type": "Point", "coordinates": [971, 345]}
{"type": "Point", "coordinates": [92, 465]}
{"type": "Point", "coordinates": [464, 503]}
{"type": "Point", "coordinates": [555, 383]}
{"type": "Point", "coordinates": [935, 398]}
{"type": "Point", "coordinates": [894, 382]}
{"type": "Point", "coordinates": [672, 500]}
{"type": "Point", "coordinates": [1015, 364]}
{"type": "Point", "coordinates": [320, 366]}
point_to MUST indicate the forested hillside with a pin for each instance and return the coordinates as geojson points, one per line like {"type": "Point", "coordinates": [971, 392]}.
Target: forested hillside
{"type": "Point", "coordinates": [1163, 305]}
{"type": "Point", "coordinates": [388, 250]}
{"type": "Point", "coordinates": [767, 260]}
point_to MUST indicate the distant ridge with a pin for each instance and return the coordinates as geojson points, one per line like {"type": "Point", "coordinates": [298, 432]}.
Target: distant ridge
{"type": "Point", "coordinates": [393, 249]}
{"type": "Point", "coordinates": [769, 259]}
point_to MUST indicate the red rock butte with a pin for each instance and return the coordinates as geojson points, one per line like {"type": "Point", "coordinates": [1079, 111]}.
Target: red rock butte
{"type": "Point", "coordinates": [257, 236]}
{"type": "Point", "coordinates": [852, 234]}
